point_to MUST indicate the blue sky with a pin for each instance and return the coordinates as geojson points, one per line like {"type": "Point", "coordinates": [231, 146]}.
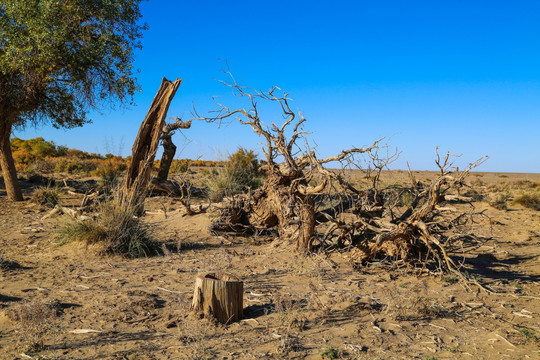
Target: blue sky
{"type": "Point", "coordinates": [461, 75]}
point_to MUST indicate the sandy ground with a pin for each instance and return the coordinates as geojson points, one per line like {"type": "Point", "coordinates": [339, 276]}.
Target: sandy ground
{"type": "Point", "coordinates": [296, 307]}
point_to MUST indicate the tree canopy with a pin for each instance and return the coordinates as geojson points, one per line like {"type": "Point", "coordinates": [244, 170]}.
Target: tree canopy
{"type": "Point", "coordinates": [61, 58]}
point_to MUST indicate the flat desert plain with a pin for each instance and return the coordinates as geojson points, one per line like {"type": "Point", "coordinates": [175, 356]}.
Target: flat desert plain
{"type": "Point", "coordinates": [86, 306]}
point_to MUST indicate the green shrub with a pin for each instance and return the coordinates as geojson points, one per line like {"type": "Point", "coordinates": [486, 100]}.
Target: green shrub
{"type": "Point", "coordinates": [529, 200]}
{"type": "Point", "coordinates": [329, 353]}
{"type": "Point", "coordinates": [68, 166]}
{"type": "Point", "coordinates": [238, 174]}
{"type": "Point", "coordinates": [116, 230]}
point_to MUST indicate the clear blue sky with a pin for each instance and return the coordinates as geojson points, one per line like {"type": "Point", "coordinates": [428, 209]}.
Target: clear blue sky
{"type": "Point", "coordinates": [461, 75]}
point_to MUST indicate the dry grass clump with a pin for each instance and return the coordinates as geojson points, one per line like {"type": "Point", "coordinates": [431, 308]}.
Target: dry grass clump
{"type": "Point", "coordinates": [289, 312]}
{"type": "Point", "coordinates": [46, 196]}
{"type": "Point", "coordinates": [195, 334]}
{"type": "Point", "coordinates": [525, 184]}
{"type": "Point", "coordinates": [500, 201]}
{"type": "Point", "coordinates": [115, 230]}
{"type": "Point", "coordinates": [35, 320]}
{"type": "Point", "coordinates": [529, 200]}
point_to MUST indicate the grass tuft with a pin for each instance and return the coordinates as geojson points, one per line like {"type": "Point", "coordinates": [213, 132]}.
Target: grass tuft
{"type": "Point", "coordinates": [115, 230]}
{"type": "Point", "coordinates": [238, 174]}
{"type": "Point", "coordinates": [46, 196]}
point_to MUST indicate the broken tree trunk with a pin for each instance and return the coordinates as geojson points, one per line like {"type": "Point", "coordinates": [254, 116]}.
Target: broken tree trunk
{"type": "Point", "coordinates": [169, 149]}
{"type": "Point", "coordinates": [220, 296]}
{"type": "Point", "coordinates": [146, 145]}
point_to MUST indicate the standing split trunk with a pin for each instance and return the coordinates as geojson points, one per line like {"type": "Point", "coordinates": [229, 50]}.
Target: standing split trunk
{"type": "Point", "coordinates": [169, 149]}
{"type": "Point", "coordinates": [8, 165]}
{"type": "Point", "coordinates": [146, 145]}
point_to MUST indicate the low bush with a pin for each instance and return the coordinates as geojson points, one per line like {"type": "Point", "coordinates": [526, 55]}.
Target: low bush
{"type": "Point", "coordinates": [75, 166]}
{"type": "Point", "coordinates": [34, 320]}
{"type": "Point", "coordinates": [109, 171]}
{"type": "Point", "coordinates": [529, 200]}
{"type": "Point", "coordinates": [115, 230]}
{"type": "Point", "coordinates": [500, 201]}
{"type": "Point", "coordinates": [525, 184]}
{"type": "Point", "coordinates": [240, 172]}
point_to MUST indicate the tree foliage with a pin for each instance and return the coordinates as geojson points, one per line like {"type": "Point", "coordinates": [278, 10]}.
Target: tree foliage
{"type": "Point", "coordinates": [29, 151]}
{"type": "Point", "coordinates": [58, 58]}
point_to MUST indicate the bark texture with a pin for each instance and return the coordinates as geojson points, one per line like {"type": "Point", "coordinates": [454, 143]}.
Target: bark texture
{"type": "Point", "coordinates": [7, 163]}
{"type": "Point", "coordinates": [219, 296]}
{"type": "Point", "coordinates": [169, 149]}
{"type": "Point", "coordinates": [146, 144]}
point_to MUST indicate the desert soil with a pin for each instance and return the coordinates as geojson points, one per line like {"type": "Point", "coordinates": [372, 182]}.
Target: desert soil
{"type": "Point", "coordinates": [296, 307]}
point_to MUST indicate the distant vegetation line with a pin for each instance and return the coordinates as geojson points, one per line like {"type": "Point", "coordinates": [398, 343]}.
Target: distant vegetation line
{"type": "Point", "coordinates": [39, 155]}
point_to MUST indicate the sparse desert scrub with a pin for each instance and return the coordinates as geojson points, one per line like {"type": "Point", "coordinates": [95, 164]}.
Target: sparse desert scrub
{"type": "Point", "coordinates": [114, 230]}
{"type": "Point", "coordinates": [364, 313]}
{"type": "Point", "coordinates": [109, 172]}
{"type": "Point", "coordinates": [499, 201]}
{"type": "Point", "coordinates": [415, 304]}
{"type": "Point", "coordinates": [525, 184]}
{"type": "Point", "coordinates": [34, 322]}
{"type": "Point", "coordinates": [529, 200]}
{"type": "Point", "coordinates": [290, 312]}
{"type": "Point", "coordinates": [194, 333]}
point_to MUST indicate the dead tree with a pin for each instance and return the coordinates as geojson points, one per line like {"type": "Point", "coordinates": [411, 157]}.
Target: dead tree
{"type": "Point", "coordinates": [300, 195]}
{"type": "Point", "coordinates": [169, 149]}
{"type": "Point", "coordinates": [419, 232]}
{"type": "Point", "coordinates": [146, 144]}
{"type": "Point", "coordinates": [286, 198]}
{"type": "Point", "coordinates": [159, 185]}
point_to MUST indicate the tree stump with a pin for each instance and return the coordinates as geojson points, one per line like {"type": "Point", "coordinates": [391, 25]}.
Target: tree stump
{"type": "Point", "coordinates": [218, 295]}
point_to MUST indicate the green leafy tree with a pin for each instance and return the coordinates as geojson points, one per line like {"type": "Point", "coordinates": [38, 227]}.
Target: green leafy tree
{"type": "Point", "coordinates": [58, 60]}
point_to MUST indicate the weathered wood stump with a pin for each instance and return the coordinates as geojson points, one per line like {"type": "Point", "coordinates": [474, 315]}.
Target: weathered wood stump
{"type": "Point", "coordinates": [218, 295]}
